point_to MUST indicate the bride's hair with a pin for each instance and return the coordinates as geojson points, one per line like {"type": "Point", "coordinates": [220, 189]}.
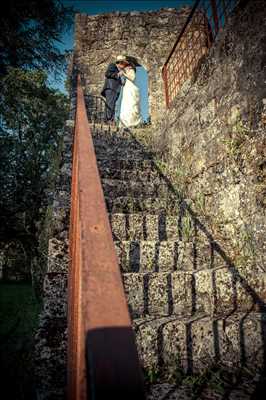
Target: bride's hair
{"type": "Point", "coordinates": [132, 66]}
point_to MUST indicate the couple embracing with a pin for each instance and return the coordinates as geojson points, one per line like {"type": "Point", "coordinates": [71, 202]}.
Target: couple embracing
{"type": "Point", "coordinates": [120, 74]}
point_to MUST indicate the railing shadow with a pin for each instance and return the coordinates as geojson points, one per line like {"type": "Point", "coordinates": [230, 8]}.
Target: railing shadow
{"type": "Point", "coordinates": [102, 346]}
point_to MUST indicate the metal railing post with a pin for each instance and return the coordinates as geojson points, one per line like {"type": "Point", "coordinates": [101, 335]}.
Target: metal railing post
{"type": "Point", "coordinates": [166, 89]}
{"type": "Point", "coordinates": [215, 15]}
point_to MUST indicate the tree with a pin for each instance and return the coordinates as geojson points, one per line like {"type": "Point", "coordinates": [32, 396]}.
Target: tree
{"type": "Point", "coordinates": [33, 116]}
{"type": "Point", "coordinates": [29, 33]}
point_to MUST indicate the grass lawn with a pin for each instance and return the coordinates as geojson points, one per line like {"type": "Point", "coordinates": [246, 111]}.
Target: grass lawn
{"type": "Point", "coordinates": [18, 321]}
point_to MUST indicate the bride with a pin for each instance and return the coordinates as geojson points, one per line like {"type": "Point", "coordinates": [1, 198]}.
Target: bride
{"type": "Point", "coordinates": [130, 104]}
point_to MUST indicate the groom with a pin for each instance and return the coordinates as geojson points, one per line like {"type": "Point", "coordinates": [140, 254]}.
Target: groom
{"type": "Point", "coordinates": [112, 86]}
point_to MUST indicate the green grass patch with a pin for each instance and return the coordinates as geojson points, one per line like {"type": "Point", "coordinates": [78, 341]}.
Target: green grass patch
{"type": "Point", "coordinates": [19, 312]}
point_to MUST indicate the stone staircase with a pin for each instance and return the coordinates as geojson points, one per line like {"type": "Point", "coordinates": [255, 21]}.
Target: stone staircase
{"type": "Point", "coordinates": [190, 307]}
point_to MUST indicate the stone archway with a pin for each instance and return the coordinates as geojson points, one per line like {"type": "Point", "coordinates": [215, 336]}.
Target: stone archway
{"type": "Point", "coordinates": [147, 35]}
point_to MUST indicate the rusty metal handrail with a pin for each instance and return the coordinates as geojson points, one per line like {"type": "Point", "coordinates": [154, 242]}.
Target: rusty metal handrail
{"type": "Point", "coordinates": [182, 30]}
{"type": "Point", "coordinates": [102, 354]}
{"type": "Point", "coordinates": [206, 19]}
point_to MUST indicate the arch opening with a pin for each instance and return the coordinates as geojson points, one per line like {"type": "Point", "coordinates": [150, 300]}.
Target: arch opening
{"type": "Point", "coordinates": [142, 82]}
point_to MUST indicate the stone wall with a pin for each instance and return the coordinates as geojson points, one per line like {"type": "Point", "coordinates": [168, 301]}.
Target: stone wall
{"type": "Point", "coordinates": [50, 341]}
{"type": "Point", "coordinates": [149, 36]}
{"type": "Point", "coordinates": [213, 139]}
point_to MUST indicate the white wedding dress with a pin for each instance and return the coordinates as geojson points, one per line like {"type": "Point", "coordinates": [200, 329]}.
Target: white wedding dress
{"type": "Point", "coordinates": [130, 104]}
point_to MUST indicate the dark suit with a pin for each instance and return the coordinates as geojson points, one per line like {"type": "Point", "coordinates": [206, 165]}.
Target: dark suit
{"type": "Point", "coordinates": [111, 90]}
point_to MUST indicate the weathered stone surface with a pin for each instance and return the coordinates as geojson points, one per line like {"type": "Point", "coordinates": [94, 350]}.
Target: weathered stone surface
{"type": "Point", "coordinates": [115, 188]}
{"type": "Point", "coordinates": [51, 337]}
{"type": "Point", "coordinates": [213, 138]}
{"type": "Point", "coordinates": [159, 294]}
{"type": "Point", "coordinates": [223, 291]}
{"type": "Point", "coordinates": [212, 388]}
{"type": "Point", "coordinates": [58, 256]}
{"type": "Point", "coordinates": [142, 203]}
{"type": "Point", "coordinates": [183, 293]}
{"type": "Point", "coordinates": [114, 152]}
{"type": "Point", "coordinates": [147, 256]}
{"type": "Point", "coordinates": [194, 344]}
{"type": "Point", "coordinates": [149, 227]}
{"type": "Point", "coordinates": [125, 169]}
{"type": "Point", "coordinates": [50, 355]}
{"type": "Point", "coordinates": [170, 392]}
{"type": "Point", "coordinates": [55, 295]}
{"type": "Point", "coordinates": [150, 38]}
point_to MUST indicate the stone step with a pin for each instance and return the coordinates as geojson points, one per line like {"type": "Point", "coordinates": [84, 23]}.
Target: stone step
{"type": "Point", "coordinates": [141, 226]}
{"type": "Point", "coordinates": [123, 169]}
{"type": "Point", "coordinates": [169, 344]}
{"type": "Point", "coordinates": [102, 131]}
{"type": "Point", "coordinates": [227, 289]}
{"type": "Point", "coordinates": [122, 149]}
{"type": "Point", "coordinates": [148, 256]}
{"type": "Point", "coordinates": [118, 164]}
{"type": "Point", "coordinates": [143, 203]}
{"type": "Point", "coordinates": [218, 384]}
{"type": "Point", "coordinates": [126, 163]}
{"type": "Point", "coordinates": [159, 294]}
{"type": "Point", "coordinates": [214, 292]}
{"type": "Point", "coordinates": [217, 291]}
{"type": "Point", "coordinates": [114, 141]}
{"type": "Point", "coordinates": [174, 253]}
{"type": "Point", "coordinates": [116, 188]}
{"type": "Point", "coordinates": [169, 391]}
{"type": "Point", "coordinates": [113, 152]}
{"type": "Point", "coordinates": [143, 175]}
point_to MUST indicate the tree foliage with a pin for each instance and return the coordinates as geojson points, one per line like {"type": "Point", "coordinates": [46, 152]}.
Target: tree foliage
{"type": "Point", "coordinates": [29, 33]}
{"type": "Point", "coordinates": [32, 117]}
{"type": "Point", "coordinates": [32, 120]}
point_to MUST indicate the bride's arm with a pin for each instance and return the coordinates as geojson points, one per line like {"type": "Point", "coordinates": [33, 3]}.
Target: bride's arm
{"type": "Point", "coordinates": [130, 74]}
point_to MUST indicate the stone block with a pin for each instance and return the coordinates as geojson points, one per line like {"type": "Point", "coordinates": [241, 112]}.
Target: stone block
{"type": "Point", "coordinates": [142, 226]}
{"type": "Point", "coordinates": [159, 294]}
{"type": "Point", "coordinates": [203, 292]}
{"type": "Point", "coordinates": [223, 291]}
{"type": "Point", "coordinates": [147, 256]}
{"type": "Point", "coordinates": [182, 293]}
{"type": "Point", "coordinates": [58, 258]}
{"type": "Point", "coordinates": [51, 358]}
{"type": "Point", "coordinates": [134, 290]}
{"type": "Point", "coordinates": [55, 294]}
{"type": "Point", "coordinates": [194, 345]}
{"type": "Point", "coordinates": [115, 188]}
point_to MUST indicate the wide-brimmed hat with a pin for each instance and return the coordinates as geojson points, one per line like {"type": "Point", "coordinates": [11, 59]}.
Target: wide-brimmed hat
{"type": "Point", "coordinates": [120, 58]}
